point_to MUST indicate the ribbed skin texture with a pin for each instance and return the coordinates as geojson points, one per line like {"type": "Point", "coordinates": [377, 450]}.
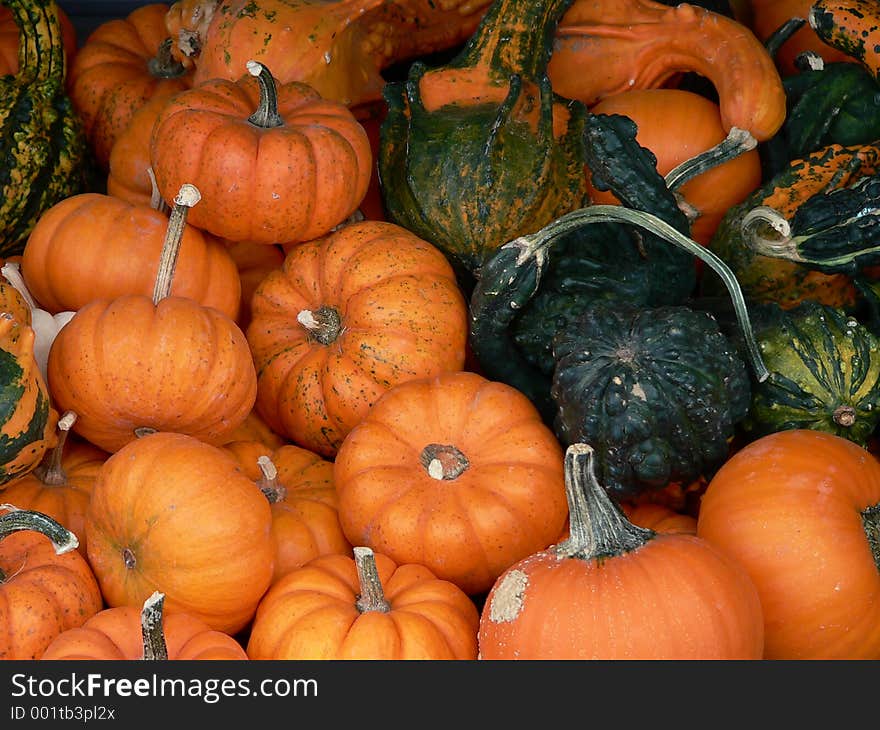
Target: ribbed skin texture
{"type": "Point", "coordinates": [41, 137]}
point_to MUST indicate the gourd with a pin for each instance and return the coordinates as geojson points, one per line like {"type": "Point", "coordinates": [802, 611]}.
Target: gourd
{"type": "Point", "coordinates": [799, 511]}
{"type": "Point", "coordinates": [364, 607]}
{"type": "Point", "coordinates": [641, 44]}
{"type": "Point", "coordinates": [480, 150]}
{"type": "Point", "coordinates": [273, 163]}
{"type": "Point", "coordinates": [465, 492]}
{"type": "Point", "coordinates": [346, 318]}
{"type": "Point", "coordinates": [124, 633]}
{"type": "Point", "coordinates": [606, 592]}
{"type": "Point", "coordinates": [850, 26]}
{"type": "Point", "coordinates": [46, 586]}
{"type": "Point", "coordinates": [170, 512]}
{"type": "Point", "coordinates": [656, 391]}
{"type": "Point", "coordinates": [9, 37]}
{"type": "Point", "coordinates": [824, 373]}
{"type": "Point", "coordinates": [42, 141]}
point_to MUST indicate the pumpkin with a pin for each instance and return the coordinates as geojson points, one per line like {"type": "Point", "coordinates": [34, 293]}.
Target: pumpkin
{"type": "Point", "coordinates": [44, 149]}
{"type": "Point", "coordinates": [345, 319]}
{"type": "Point", "coordinates": [338, 47]}
{"type": "Point", "coordinates": [27, 417]}
{"type": "Point", "coordinates": [254, 428]}
{"type": "Point", "coordinates": [617, 591]}
{"type": "Point", "coordinates": [46, 586]}
{"type": "Point", "coordinates": [799, 510]}
{"type": "Point", "coordinates": [121, 65]}
{"type": "Point", "coordinates": [641, 44]}
{"type": "Point", "coordinates": [273, 163]}
{"type": "Point", "coordinates": [365, 607]}
{"type": "Point", "coordinates": [464, 491]}
{"type": "Point", "coordinates": [299, 486]}
{"type": "Point", "coordinates": [480, 150]}
{"type": "Point", "coordinates": [661, 116]}
{"type": "Point", "coordinates": [659, 518]}
{"type": "Point", "coordinates": [172, 513]}
{"type": "Point", "coordinates": [254, 262]}
{"type": "Point", "coordinates": [125, 633]}
{"type": "Point", "coordinates": [9, 35]}
{"type": "Point", "coordinates": [162, 363]}
{"type": "Point", "coordinates": [96, 246]}
{"type": "Point", "coordinates": [61, 485]}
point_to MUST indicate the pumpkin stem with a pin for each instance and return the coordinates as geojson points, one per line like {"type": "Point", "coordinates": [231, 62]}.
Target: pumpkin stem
{"type": "Point", "coordinates": [871, 525]}
{"type": "Point", "coordinates": [163, 65]}
{"type": "Point", "coordinates": [324, 324]}
{"type": "Point", "coordinates": [779, 36]}
{"type": "Point", "coordinates": [809, 61]}
{"type": "Point", "coordinates": [443, 462]}
{"type": "Point", "coordinates": [372, 597]}
{"type": "Point", "coordinates": [844, 416]}
{"type": "Point", "coordinates": [155, 648]}
{"type": "Point", "coordinates": [733, 145]}
{"type": "Point", "coordinates": [535, 244]}
{"type": "Point", "coordinates": [186, 198]}
{"type": "Point", "coordinates": [156, 200]}
{"type": "Point", "coordinates": [266, 114]}
{"type": "Point", "coordinates": [268, 483]}
{"type": "Point", "coordinates": [50, 471]}
{"type": "Point", "coordinates": [597, 527]}
{"type": "Point", "coordinates": [17, 519]}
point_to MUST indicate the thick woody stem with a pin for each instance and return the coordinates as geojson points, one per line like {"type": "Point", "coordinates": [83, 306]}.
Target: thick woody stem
{"type": "Point", "coordinates": [266, 114]}
{"type": "Point", "coordinates": [372, 597]}
{"type": "Point", "coordinates": [324, 324]}
{"type": "Point", "coordinates": [443, 462]}
{"type": "Point", "coordinates": [268, 483]}
{"type": "Point", "coordinates": [17, 519]}
{"type": "Point", "coordinates": [186, 198]}
{"type": "Point", "coordinates": [51, 471]}
{"type": "Point", "coordinates": [155, 648]}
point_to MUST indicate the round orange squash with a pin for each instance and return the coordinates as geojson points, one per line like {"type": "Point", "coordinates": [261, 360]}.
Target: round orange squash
{"type": "Point", "coordinates": [126, 633]}
{"type": "Point", "coordinates": [617, 591]}
{"type": "Point", "coordinates": [800, 511]}
{"type": "Point", "coordinates": [455, 472]}
{"type": "Point", "coordinates": [172, 513]}
{"type": "Point", "coordinates": [46, 586]}
{"type": "Point", "coordinates": [346, 318]}
{"type": "Point", "coordinates": [365, 607]}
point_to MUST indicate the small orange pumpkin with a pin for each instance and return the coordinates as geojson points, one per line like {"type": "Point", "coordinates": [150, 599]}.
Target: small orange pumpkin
{"type": "Point", "coordinates": [365, 607]}
{"type": "Point", "coordinates": [46, 586]}
{"type": "Point", "coordinates": [125, 633]}
{"type": "Point", "coordinates": [455, 472]}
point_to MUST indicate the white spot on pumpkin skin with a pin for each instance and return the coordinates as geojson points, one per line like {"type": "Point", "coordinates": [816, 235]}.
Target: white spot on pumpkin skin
{"type": "Point", "coordinates": [507, 600]}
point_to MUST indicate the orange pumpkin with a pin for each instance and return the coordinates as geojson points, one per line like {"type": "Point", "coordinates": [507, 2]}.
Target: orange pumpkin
{"type": "Point", "coordinates": [126, 633]}
{"type": "Point", "coordinates": [46, 586]}
{"type": "Point", "coordinates": [366, 607]}
{"type": "Point", "coordinates": [677, 125]}
{"type": "Point", "coordinates": [659, 518]}
{"type": "Point", "coordinates": [95, 246]}
{"type": "Point", "coordinates": [254, 262]}
{"type": "Point", "coordinates": [137, 363]}
{"type": "Point", "coordinates": [273, 163]}
{"type": "Point", "coordinates": [122, 63]}
{"type": "Point", "coordinates": [617, 591]}
{"type": "Point", "coordinates": [800, 511]}
{"type": "Point", "coordinates": [299, 487]}
{"type": "Point", "coordinates": [61, 484]}
{"type": "Point", "coordinates": [455, 472]}
{"type": "Point", "coordinates": [172, 513]}
{"type": "Point", "coordinates": [254, 428]}
{"type": "Point", "coordinates": [346, 318]}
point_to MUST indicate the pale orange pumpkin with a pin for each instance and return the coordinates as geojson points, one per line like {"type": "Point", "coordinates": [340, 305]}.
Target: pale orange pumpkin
{"type": "Point", "coordinates": [346, 318]}
{"type": "Point", "coordinates": [172, 513]}
{"type": "Point", "coordinates": [455, 472]}
{"type": "Point", "coordinates": [800, 511]}
{"type": "Point", "coordinates": [365, 607]}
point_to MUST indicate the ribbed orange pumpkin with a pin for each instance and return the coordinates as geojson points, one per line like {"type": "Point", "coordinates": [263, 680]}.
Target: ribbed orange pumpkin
{"type": "Point", "coordinates": [617, 591]}
{"type": "Point", "coordinates": [299, 486]}
{"type": "Point", "coordinates": [172, 513]}
{"type": "Point", "coordinates": [273, 164]}
{"type": "Point", "coordinates": [61, 485]}
{"type": "Point", "coordinates": [126, 633]}
{"type": "Point", "coordinates": [346, 318]}
{"type": "Point", "coordinates": [800, 511]}
{"type": "Point", "coordinates": [254, 261]}
{"type": "Point", "coordinates": [366, 607]}
{"type": "Point", "coordinates": [46, 586]}
{"type": "Point", "coordinates": [123, 63]}
{"type": "Point", "coordinates": [455, 472]}
{"type": "Point", "coordinates": [95, 246]}
{"type": "Point", "coordinates": [164, 363]}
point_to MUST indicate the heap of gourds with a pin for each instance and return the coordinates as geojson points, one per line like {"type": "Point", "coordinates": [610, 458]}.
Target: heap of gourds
{"type": "Point", "coordinates": [346, 330]}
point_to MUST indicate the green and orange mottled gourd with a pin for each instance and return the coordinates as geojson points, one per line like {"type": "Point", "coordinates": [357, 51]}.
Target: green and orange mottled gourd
{"type": "Point", "coordinates": [42, 144]}
{"type": "Point", "coordinates": [27, 419]}
{"type": "Point", "coordinates": [850, 26]}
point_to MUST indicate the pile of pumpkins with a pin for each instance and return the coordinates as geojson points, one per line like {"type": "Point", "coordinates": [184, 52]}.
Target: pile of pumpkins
{"type": "Point", "coordinates": [242, 416]}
